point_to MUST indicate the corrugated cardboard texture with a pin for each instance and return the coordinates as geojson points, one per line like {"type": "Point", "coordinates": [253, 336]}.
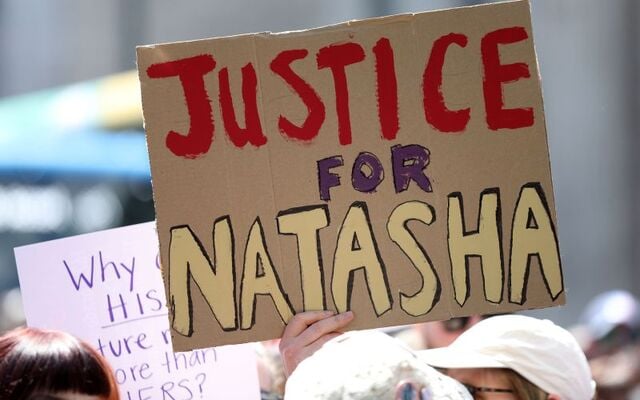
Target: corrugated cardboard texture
{"type": "Point", "coordinates": [248, 186]}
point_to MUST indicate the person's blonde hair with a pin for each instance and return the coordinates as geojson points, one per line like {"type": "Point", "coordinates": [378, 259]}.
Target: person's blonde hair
{"type": "Point", "coordinates": [522, 388]}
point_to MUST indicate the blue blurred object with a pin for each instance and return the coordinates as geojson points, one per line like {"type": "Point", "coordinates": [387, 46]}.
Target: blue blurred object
{"type": "Point", "coordinates": [85, 152]}
{"type": "Point", "coordinates": [76, 130]}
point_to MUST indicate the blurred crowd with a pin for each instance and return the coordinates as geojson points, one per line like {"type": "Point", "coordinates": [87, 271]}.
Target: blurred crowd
{"type": "Point", "coordinates": [477, 357]}
{"type": "Point", "coordinates": [609, 334]}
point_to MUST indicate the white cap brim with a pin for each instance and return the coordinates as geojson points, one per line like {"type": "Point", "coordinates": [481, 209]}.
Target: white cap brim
{"type": "Point", "coordinates": [448, 357]}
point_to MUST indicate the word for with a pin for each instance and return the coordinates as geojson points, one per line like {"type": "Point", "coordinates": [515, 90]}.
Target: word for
{"type": "Point", "coordinates": [408, 164]}
{"type": "Point", "coordinates": [532, 236]}
{"type": "Point", "coordinates": [336, 58]}
{"type": "Point", "coordinates": [119, 271]}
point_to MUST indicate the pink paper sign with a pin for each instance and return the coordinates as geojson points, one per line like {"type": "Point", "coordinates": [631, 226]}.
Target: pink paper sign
{"type": "Point", "coordinates": [107, 289]}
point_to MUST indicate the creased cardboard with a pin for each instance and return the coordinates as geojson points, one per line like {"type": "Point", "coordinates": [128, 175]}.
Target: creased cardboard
{"type": "Point", "coordinates": [397, 167]}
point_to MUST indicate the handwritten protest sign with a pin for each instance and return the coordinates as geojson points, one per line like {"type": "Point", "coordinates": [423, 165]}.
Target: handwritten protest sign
{"type": "Point", "coordinates": [106, 288]}
{"type": "Point", "coordinates": [397, 167]}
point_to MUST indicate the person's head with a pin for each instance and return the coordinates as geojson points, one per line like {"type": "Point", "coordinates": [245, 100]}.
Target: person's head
{"type": "Point", "coordinates": [497, 383]}
{"type": "Point", "coordinates": [40, 364]}
{"type": "Point", "coordinates": [369, 365]}
{"type": "Point", "coordinates": [517, 357]}
{"type": "Point", "coordinates": [612, 322]}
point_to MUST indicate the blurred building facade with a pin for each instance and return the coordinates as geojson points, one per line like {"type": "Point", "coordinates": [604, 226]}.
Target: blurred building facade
{"type": "Point", "coordinates": [588, 55]}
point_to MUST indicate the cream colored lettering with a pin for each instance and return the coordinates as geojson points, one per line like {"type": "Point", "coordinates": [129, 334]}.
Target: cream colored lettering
{"type": "Point", "coordinates": [532, 235]}
{"type": "Point", "coordinates": [255, 283]}
{"type": "Point", "coordinates": [356, 249]}
{"type": "Point", "coordinates": [485, 243]}
{"type": "Point", "coordinates": [305, 223]}
{"type": "Point", "coordinates": [188, 259]}
{"type": "Point", "coordinates": [424, 299]}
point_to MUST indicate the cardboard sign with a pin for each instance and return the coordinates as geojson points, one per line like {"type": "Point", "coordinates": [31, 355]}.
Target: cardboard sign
{"type": "Point", "coordinates": [106, 288]}
{"type": "Point", "coordinates": [397, 167]}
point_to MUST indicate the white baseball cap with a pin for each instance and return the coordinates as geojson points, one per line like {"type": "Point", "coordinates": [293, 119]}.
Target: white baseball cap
{"type": "Point", "coordinates": [361, 365]}
{"type": "Point", "coordinates": [609, 310]}
{"type": "Point", "coordinates": [539, 350]}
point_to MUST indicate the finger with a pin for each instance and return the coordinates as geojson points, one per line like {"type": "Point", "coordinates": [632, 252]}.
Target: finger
{"type": "Point", "coordinates": [315, 346]}
{"type": "Point", "coordinates": [302, 320]}
{"type": "Point", "coordinates": [324, 326]}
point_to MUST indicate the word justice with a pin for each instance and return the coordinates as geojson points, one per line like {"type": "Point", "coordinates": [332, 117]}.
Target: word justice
{"type": "Point", "coordinates": [356, 251]}
{"type": "Point", "coordinates": [335, 58]}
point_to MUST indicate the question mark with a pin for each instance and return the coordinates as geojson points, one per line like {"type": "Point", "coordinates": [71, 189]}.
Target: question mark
{"type": "Point", "coordinates": [204, 378]}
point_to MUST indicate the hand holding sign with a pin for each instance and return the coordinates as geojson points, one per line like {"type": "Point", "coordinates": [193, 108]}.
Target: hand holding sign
{"type": "Point", "coordinates": [307, 332]}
